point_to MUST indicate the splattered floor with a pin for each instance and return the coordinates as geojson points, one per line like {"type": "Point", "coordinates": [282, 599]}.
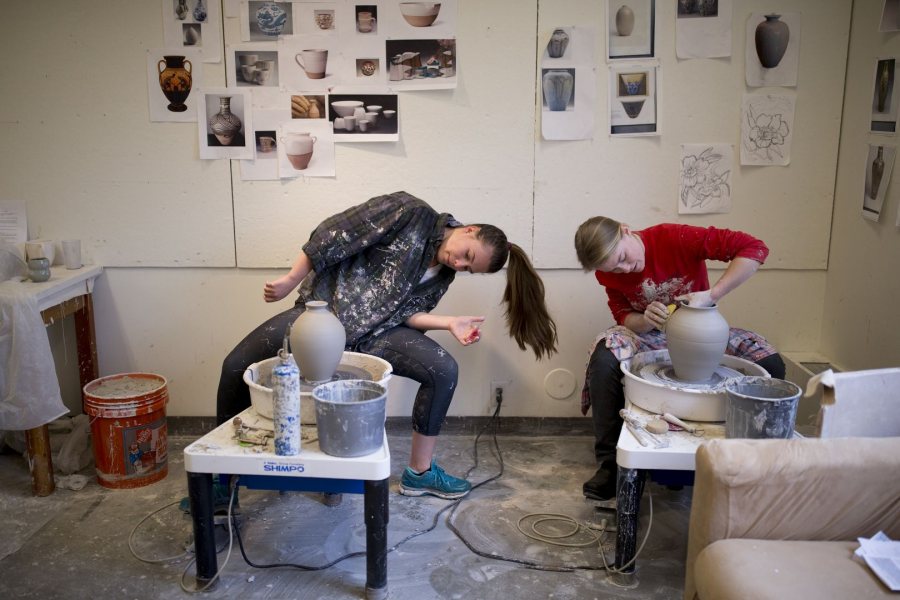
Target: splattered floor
{"type": "Point", "coordinates": [75, 544]}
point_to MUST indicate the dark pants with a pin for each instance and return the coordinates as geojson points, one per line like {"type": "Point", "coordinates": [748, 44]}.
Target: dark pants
{"type": "Point", "coordinates": [410, 352]}
{"type": "Point", "coordinates": [608, 397]}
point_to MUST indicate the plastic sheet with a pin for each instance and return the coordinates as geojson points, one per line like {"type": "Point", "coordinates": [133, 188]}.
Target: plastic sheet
{"type": "Point", "coordinates": [29, 390]}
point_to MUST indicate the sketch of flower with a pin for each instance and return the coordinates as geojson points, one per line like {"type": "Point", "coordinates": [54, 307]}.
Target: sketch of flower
{"type": "Point", "coordinates": [767, 133]}
{"type": "Point", "coordinates": [702, 183]}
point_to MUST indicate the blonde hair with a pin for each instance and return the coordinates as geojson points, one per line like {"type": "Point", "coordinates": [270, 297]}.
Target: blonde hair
{"type": "Point", "coordinates": [595, 241]}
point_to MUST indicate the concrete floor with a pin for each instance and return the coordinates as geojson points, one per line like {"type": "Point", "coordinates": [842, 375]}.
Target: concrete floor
{"type": "Point", "coordinates": [74, 544]}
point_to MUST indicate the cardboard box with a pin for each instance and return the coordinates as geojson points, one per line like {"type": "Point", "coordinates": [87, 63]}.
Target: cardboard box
{"type": "Point", "coordinates": [858, 403]}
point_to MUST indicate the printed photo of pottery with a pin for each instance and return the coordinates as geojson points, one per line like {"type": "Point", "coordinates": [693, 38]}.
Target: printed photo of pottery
{"type": "Point", "coordinates": [558, 87]}
{"type": "Point", "coordinates": [420, 14]}
{"type": "Point", "coordinates": [420, 59]}
{"type": "Point", "coordinates": [191, 34]}
{"type": "Point", "coordinates": [224, 125]}
{"type": "Point", "coordinates": [307, 107]}
{"type": "Point", "coordinates": [367, 67]}
{"type": "Point", "coordinates": [268, 20]}
{"type": "Point", "coordinates": [688, 9]}
{"type": "Point", "coordinates": [363, 113]}
{"type": "Point", "coordinates": [256, 68]}
{"type": "Point", "coordinates": [266, 144]}
{"type": "Point", "coordinates": [366, 16]}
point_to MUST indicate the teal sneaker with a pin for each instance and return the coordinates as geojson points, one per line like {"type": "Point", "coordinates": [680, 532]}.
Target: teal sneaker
{"type": "Point", "coordinates": [434, 481]}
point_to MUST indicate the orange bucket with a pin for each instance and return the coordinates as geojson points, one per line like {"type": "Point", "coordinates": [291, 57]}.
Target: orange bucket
{"type": "Point", "coordinates": [128, 427]}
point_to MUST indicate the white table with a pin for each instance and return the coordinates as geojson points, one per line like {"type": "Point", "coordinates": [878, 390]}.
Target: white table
{"type": "Point", "coordinates": [258, 467]}
{"type": "Point", "coordinates": [67, 292]}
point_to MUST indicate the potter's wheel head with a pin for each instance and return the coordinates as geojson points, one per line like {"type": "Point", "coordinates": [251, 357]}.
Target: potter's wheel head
{"type": "Point", "coordinates": [664, 373]}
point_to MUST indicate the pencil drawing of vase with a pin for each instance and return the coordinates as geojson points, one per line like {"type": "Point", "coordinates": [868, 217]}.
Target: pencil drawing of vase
{"type": "Point", "coordinates": [558, 87]}
{"type": "Point", "coordinates": [200, 11]}
{"type": "Point", "coordinates": [181, 10]}
{"type": "Point", "coordinates": [558, 43]}
{"type": "Point", "coordinates": [191, 32]}
{"type": "Point", "coordinates": [225, 124]}
{"type": "Point", "coordinates": [271, 18]}
{"type": "Point", "coordinates": [772, 36]}
{"type": "Point", "coordinates": [624, 20]}
{"type": "Point", "coordinates": [633, 107]}
{"type": "Point", "coordinates": [175, 81]}
{"type": "Point", "coordinates": [877, 172]}
{"type": "Point", "coordinates": [884, 83]}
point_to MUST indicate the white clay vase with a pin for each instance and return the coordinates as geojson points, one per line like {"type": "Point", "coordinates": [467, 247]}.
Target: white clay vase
{"type": "Point", "coordinates": [697, 337]}
{"type": "Point", "coordinates": [317, 342]}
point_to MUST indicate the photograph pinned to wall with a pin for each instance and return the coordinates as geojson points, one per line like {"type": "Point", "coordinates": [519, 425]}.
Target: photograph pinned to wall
{"type": "Point", "coordinates": [767, 129]}
{"type": "Point", "coordinates": [703, 29]}
{"type": "Point", "coordinates": [224, 123]}
{"type": "Point", "coordinates": [310, 62]}
{"type": "Point", "coordinates": [631, 29]}
{"type": "Point", "coordinates": [265, 166]}
{"type": "Point", "coordinates": [308, 106]}
{"type": "Point", "coordinates": [368, 70]}
{"type": "Point", "coordinates": [323, 18]}
{"type": "Point", "coordinates": [172, 76]}
{"type": "Point", "coordinates": [568, 84]}
{"type": "Point", "coordinates": [365, 117]}
{"type": "Point", "coordinates": [305, 148]}
{"type": "Point", "coordinates": [705, 179]}
{"type": "Point", "coordinates": [879, 165]}
{"type": "Point", "coordinates": [253, 66]}
{"type": "Point", "coordinates": [365, 19]}
{"type": "Point", "coordinates": [773, 49]}
{"type": "Point", "coordinates": [885, 98]}
{"type": "Point", "coordinates": [266, 21]}
{"type": "Point", "coordinates": [194, 24]}
{"type": "Point", "coordinates": [419, 19]}
{"type": "Point", "coordinates": [421, 63]}
{"type": "Point", "coordinates": [634, 99]}
{"type": "Point", "coordinates": [890, 16]}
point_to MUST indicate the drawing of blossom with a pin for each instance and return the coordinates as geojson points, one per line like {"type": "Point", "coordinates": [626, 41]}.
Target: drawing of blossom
{"type": "Point", "coordinates": [705, 184]}
{"type": "Point", "coordinates": [766, 130]}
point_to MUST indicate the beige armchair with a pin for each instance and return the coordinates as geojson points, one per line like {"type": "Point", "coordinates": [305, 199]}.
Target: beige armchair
{"type": "Point", "coordinates": [780, 518]}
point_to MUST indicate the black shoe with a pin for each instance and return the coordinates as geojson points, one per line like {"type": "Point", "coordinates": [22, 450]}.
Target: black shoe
{"type": "Point", "coordinates": [602, 486]}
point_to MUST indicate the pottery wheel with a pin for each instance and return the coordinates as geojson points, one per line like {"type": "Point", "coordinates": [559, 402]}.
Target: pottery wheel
{"type": "Point", "coordinates": [664, 373]}
{"type": "Point", "coordinates": [343, 372]}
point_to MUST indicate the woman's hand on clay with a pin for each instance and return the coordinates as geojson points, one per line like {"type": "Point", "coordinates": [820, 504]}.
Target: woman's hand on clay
{"type": "Point", "coordinates": [701, 299]}
{"type": "Point", "coordinates": [278, 289]}
{"type": "Point", "coordinates": [656, 315]}
{"type": "Point", "coordinates": [466, 329]}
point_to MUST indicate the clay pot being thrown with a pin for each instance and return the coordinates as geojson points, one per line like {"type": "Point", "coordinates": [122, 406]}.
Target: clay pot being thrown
{"type": "Point", "coordinates": [624, 20]}
{"type": "Point", "coordinates": [317, 342]}
{"type": "Point", "coordinates": [697, 337]}
{"type": "Point", "coordinates": [772, 36]}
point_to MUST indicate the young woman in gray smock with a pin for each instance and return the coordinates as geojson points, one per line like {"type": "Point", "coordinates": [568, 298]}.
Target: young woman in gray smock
{"type": "Point", "coordinates": [382, 267]}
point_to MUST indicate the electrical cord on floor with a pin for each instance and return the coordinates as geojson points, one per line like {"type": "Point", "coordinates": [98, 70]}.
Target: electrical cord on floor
{"type": "Point", "coordinates": [134, 530]}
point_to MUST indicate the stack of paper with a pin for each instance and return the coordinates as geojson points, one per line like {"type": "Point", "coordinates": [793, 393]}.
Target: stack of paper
{"type": "Point", "coordinates": [883, 557]}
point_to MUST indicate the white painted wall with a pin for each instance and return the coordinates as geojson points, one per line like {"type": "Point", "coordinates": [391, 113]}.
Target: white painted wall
{"type": "Point", "coordinates": [77, 146]}
{"type": "Point", "coordinates": [861, 323]}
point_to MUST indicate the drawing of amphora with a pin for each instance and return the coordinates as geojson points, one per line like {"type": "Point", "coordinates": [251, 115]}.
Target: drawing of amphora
{"type": "Point", "coordinates": [299, 148]}
{"type": "Point", "coordinates": [313, 62]}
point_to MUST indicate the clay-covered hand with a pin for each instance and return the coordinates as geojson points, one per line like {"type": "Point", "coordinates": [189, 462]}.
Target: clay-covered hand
{"type": "Point", "coordinates": [466, 329]}
{"type": "Point", "coordinates": [278, 289]}
{"type": "Point", "coordinates": [701, 299]}
{"type": "Point", "coordinates": [656, 315]}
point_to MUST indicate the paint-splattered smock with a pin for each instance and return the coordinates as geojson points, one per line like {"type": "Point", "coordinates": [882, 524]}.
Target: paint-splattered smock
{"type": "Point", "coordinates": [674, 264]}
{"type": "Point", "coordinates": [368, 262]}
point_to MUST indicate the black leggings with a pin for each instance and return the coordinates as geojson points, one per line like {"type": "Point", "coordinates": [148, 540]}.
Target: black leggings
{"type": "Point", "coordinates": [410, 352]}
{"type": "Point", "coordinates": [608, 397]}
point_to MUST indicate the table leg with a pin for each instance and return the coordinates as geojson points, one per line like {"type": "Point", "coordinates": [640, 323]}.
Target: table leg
{"type": "Point", "coordinates": [86, 341]}
{"type": "Point", "coordinates": [40, 463]}
{"type": "Point", "coordinates": [200, 493]}
{"type": "Point", "coordinates": [629, 488]}
{"type": "Point", "coordinates": [376, 511]}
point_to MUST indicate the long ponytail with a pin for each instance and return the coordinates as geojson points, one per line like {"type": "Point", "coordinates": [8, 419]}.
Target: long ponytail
{"type": "Point", "coordinates": [527, 318]}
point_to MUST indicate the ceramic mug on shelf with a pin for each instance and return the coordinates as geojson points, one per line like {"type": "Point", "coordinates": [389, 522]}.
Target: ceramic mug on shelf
{"type": "Point", "coordinates": [72, 253]}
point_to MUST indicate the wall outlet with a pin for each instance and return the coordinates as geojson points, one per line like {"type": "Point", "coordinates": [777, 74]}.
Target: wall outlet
{"type": "Point", "coordinates": [498, 384]}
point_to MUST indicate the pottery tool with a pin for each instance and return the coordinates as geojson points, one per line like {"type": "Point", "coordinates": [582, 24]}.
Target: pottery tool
{"type": "Point", "coordinates": [637, 428]}
{"type": "Point", "coordinates": [250, 436]}
{"type": "Point", "coordinates": [657, 426]}
{"type": "Point", "coordinates": [692, 429]}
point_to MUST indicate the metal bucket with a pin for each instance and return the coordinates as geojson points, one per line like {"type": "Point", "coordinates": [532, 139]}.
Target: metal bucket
{"type": "Point", "coordinates": [350, 417]}
{"type": "Point", "coordinates": [760, 407]}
